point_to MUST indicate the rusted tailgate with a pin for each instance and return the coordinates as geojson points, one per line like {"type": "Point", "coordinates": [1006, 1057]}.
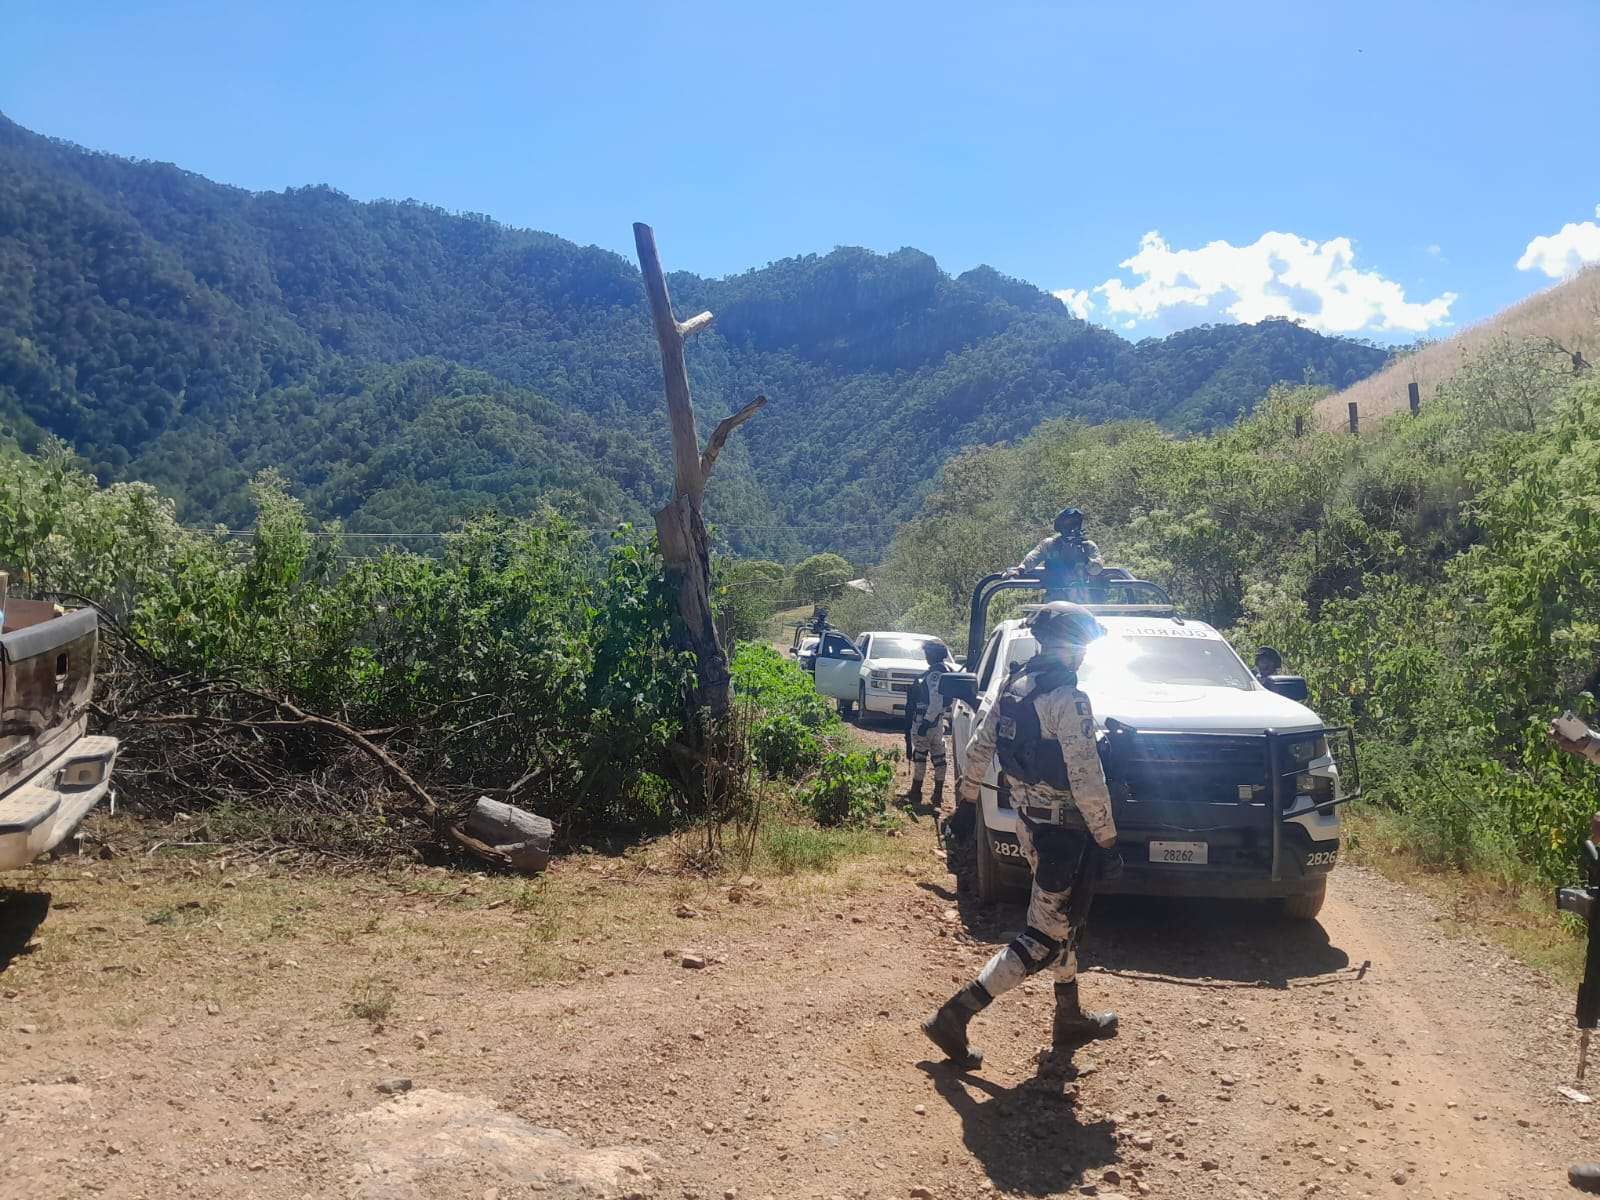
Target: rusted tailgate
{"type": "Point", "coordinates": [48, 678]}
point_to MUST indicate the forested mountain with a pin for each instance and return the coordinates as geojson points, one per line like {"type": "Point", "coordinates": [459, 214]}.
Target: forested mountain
{"type": "Point", "coordinates": [404, 365]}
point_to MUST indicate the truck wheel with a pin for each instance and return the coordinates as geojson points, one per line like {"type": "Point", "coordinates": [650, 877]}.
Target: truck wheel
{"type": "Point", "coordinates": [960, 859]}
{"type": "Point", "coordinates": [988, 871]}
{"type": "Point", "coordinates": [1305, 907]}
{"type": "Point", "coordinates": [861, 704]}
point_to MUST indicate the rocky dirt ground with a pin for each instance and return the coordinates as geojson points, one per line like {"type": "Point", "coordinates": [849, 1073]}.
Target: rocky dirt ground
{"type": "Point", "coordinates": [214, 1026]}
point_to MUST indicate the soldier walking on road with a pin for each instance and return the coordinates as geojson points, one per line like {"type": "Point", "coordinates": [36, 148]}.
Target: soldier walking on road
{"type": "Point", "coordinates": [1043, 731]}
{"type": "Point", "coordinates": [928, 721]}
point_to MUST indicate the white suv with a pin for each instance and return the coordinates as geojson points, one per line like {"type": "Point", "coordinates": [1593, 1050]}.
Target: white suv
{"type": "Point", "coordinates": [874, 674]}
{"type": "Point", "coordinates": [1220, 786]}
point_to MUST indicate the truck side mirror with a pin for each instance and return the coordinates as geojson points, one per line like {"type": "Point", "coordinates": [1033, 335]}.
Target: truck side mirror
{"type": "Point", "coordinates": [960, 685]}
{"type": "Point", "coordinates": [1290, 687]}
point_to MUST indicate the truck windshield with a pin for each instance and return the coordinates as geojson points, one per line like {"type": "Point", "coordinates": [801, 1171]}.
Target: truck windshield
{"type": "Point", "coordinates": [1116, 663]}
{"type": "Point", "coordinates": [897, 647]}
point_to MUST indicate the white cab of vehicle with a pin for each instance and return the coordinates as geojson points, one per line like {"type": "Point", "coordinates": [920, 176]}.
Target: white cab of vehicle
{"type": "Point", "coordinates": [874, 674]}
{"type": "Point", "coordinates": [1195, 804]}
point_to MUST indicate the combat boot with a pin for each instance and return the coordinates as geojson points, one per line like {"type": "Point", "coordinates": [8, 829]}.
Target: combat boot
{"type": "Point", "coordinates": [914, 797]}
{"type": "Point", "coordinates": [1073, 1027]}
{"type": "Point", "coordinates": [938, 793]}
{"type": "Point", "coordinates": [947, 1028]}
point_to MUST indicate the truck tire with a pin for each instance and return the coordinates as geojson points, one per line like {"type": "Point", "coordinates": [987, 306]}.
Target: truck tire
{"type": "Point", "coordinates": [861, 704]}
{"type": "Point", "coordinates": [987, 873]}
{"type": "Point", "coordinates": [1305, 907]}
{"type": "Point", "coordinates": [961, 861]}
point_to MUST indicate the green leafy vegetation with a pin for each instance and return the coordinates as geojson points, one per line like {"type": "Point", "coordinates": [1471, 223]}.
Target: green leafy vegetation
{"type": "Point", "coordinates": [796, 734]}
{"type": "Point", "coordinates": [520, 660]}
{"type": "Point", "coordinates": [1435, 580]}
{"type": "Point", "coordinates": [850, 789]}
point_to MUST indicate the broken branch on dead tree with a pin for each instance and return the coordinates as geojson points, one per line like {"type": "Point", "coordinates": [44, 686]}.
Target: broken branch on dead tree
{"type": "Point", "coordinates": [719, 436]}
{"type": "Point", "coordinates": [694, 324]}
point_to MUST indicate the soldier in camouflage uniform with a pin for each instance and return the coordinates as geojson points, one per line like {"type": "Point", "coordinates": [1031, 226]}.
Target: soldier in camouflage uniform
{"type": "Point", "coordinates": [1042, 728]}
{"type": "Point", "coordinates": [928, 720]}
{"type": "Point", "coordinates": [1066, 555]}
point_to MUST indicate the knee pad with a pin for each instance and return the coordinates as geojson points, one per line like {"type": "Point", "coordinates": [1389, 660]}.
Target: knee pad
{"type": "Point", "coordinates": [1036, 948]}
{"type": "Point", "coordinates": [1060, 854]}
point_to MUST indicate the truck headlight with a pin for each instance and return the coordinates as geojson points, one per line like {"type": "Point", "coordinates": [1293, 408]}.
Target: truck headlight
{"type": "Point", "coordinates": [880, 679]}
{"type": "Point", "coordinates": [1318, 788]}
{"type": "Point", "coordinates": [1300, 751]}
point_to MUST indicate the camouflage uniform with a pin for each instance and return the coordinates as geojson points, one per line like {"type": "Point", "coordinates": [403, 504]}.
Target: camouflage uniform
{"type": "Point", "coordinates": [928, 729]}
{"type": "Point", "coordinates": [1041, 728]}
{"type": "Point", "coordinates": [1049, 939]}
{"type": "Point", "coordinates": [1040, 555]}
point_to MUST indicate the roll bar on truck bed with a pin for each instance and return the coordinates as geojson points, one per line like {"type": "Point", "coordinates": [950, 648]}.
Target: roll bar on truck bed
{"type": "Point", "coordinates": [1114, 596]}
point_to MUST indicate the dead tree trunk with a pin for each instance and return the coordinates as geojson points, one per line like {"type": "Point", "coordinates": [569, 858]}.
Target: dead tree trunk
{"type": "Point", "coordinates": [680, 530]}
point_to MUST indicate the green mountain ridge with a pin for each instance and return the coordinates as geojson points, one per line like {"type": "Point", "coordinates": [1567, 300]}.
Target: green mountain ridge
{"type": "Point", "coordinates": [403, 365]}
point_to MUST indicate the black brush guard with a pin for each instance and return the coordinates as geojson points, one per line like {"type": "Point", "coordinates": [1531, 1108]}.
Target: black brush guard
{"type": "Point", "coordinates": [1210, 769]}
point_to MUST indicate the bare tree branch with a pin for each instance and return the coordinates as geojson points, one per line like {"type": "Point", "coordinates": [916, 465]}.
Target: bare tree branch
{"type": "Point", "coordinates": [694, 324]}
{"type": "Point", "coordinates": [719, 436]}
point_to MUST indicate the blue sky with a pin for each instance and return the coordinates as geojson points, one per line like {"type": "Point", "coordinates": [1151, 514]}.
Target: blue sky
{"type": "Point", "coordinates": [1405, 154]}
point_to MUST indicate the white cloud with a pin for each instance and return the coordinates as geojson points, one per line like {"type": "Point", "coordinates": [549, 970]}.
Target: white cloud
{"type": "Point", "coordinates": [1560, 254]}
{"type": "Point", "coordinates": [1277, 275]}
{"type": "Point", "coordinates": [1078, 301]}
{"type": "Point", "coordinates": [1434, 249]}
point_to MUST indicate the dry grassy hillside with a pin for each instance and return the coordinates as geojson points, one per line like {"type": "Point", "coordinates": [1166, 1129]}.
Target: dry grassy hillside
{"type": "Point", "coordinates": [1568, 314]}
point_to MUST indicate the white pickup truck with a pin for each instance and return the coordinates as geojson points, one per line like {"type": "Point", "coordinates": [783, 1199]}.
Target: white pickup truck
{"type": "Point", "coordinates": [1220, 785]}
{"type": "Point", "coordinates": [51, 771]}
{"type": "Point", "coordinates": [873, 674]}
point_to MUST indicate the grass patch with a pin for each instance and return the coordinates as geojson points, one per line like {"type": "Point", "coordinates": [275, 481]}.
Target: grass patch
{"type": "Point", "coordinates": [178, 914]}
{"type": "Point", "coordinates": [795, 849]}
{"type": "Point", "coordinates": [373, 1000]}
{"type": "Point", "coordinates": [1499, 903]}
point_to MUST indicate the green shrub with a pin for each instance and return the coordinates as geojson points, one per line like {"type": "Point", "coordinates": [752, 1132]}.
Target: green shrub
{"type": "Point", "coordinates": [518, 654]}
{"type": "Point", "coordinates": [784, 746]}
{"type": "Point", "coordinates": [850, 789]}
{"type": "Point", "coordinates": [774, 684]}
{"type": "Point", "coordinates": [745, 593]}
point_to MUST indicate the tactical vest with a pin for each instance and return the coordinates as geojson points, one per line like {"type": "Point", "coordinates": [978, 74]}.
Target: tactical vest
{"type": "Point", "coordinates": [922, 695]}
{"type": "Point", "coordinates": [1025, 753]}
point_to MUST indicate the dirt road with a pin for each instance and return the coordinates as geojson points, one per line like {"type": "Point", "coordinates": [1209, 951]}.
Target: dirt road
{"type": "Point", "coordinates": [196, 1030]}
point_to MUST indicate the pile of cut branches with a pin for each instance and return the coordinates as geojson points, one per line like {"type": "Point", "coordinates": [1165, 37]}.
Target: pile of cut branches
{"type": "Point", "coordinates": [257, 767]}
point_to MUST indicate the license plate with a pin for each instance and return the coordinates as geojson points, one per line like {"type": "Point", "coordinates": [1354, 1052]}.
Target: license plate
{"type": "Point", "coordinates": [1188, 854]}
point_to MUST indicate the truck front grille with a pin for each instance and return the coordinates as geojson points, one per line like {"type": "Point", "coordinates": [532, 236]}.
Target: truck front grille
{"type": "Point", "coordinates": [1193, 767]}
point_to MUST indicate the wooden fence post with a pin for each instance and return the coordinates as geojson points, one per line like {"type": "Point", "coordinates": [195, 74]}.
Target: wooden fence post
{"type": "Point", "coordinates": [1414, 397]}
{"type": "Point", "coordinates": [1355, 420]}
